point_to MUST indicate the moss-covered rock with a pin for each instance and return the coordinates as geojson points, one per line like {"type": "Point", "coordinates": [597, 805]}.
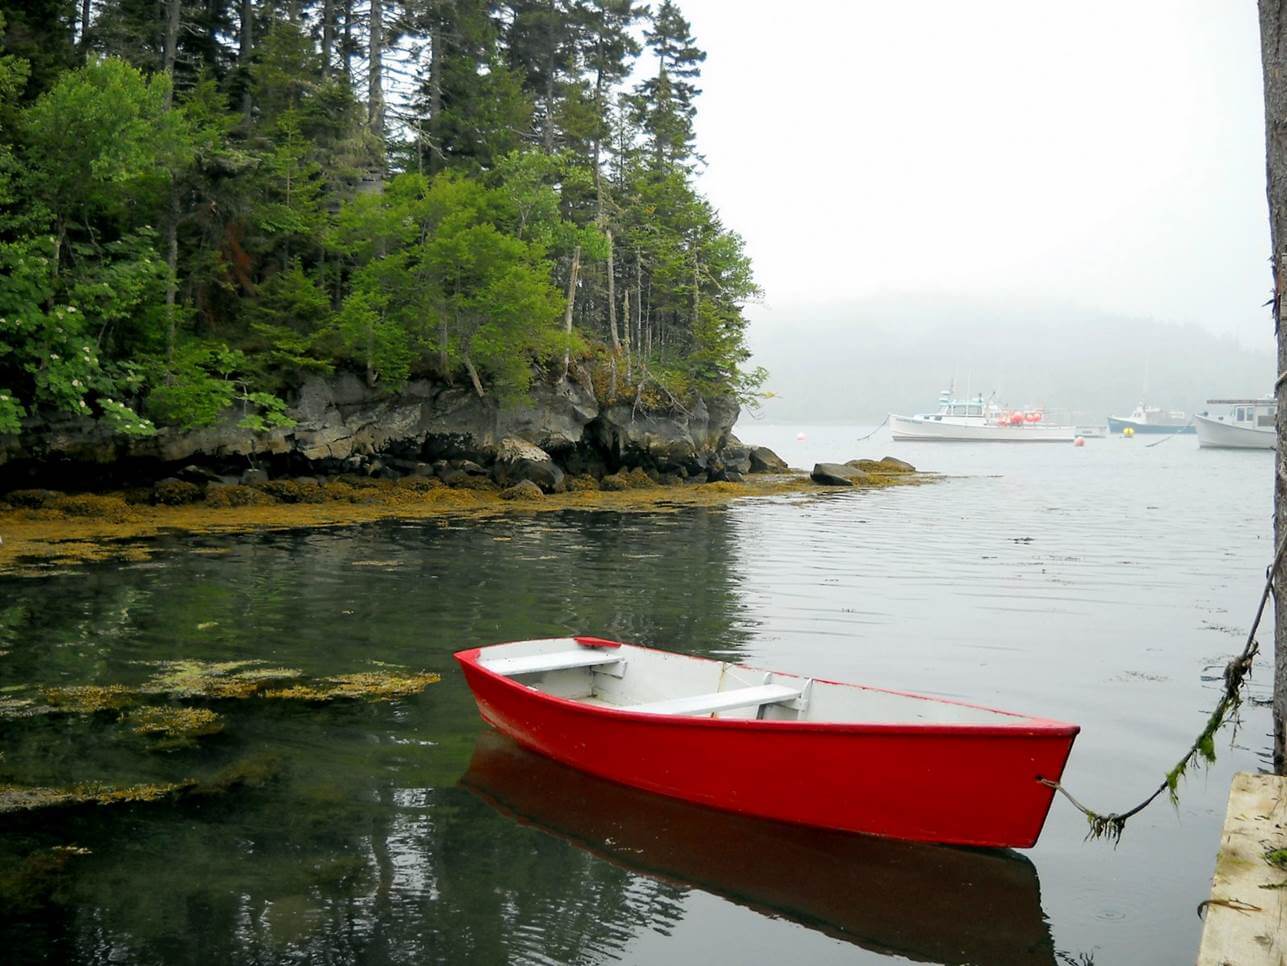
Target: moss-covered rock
{"type": "Point", "coordinates": [236, 495]}
{"type": "Point", "coordinates": [31, 499]}
{"type": "Point", "coordinates": [522, 490]}
{"type": "Point", "coordinates": [293, 491]}
{"type": "Point", "coordinates": [176, 493]}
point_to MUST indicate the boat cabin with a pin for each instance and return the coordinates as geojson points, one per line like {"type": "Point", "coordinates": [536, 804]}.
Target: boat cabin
{"type": "Point", "coordinates": [1248, 413]}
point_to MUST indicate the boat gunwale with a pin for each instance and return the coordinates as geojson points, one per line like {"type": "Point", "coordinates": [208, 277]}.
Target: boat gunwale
{"type": "Point", "coordinates": [1032, 727]}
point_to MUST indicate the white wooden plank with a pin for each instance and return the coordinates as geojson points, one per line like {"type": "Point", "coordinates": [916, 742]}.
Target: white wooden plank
{"type": "Point", "coordinates": [558, 661]}
{"type": "Point", "coordinates": [718, 700]}
{"type": "Point", "coordinates": [1248, 906]}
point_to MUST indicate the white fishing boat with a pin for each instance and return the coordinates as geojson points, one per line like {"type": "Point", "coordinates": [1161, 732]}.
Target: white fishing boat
{"type": "Point", "coordinates": [1244, 424]}
{"type": "Point", "coordinates": [1151, 419]}
{"type": "Point", "coordinates": [974, 420]}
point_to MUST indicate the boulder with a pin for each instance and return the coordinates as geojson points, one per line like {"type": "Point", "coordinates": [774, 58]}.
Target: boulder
{"type": "Point", "coordinates": [197, 474]}
{"type": "Point", "coordinates": [895, 465]}
{"type": "Point", "coordinates": [522, 490]}
{"type": "Point", "coordinates": [735, 456]}
{"type": "Point", "coordinates": [837, 474]}
{"type": "Point", "coordinates": [517, 460]}
{"type": "Point", "coordinates": [253, 475]}
{"type": "Point", "coordinates": [764, 460]}
{"type": "Point", "coordinates": [667, 440]}
{"type": "Point", "coordinates": [867, 466]}
{"type": "Point", "coordinates": [452, 476]}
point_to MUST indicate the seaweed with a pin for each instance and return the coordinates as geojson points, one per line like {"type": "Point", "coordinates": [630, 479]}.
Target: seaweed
{"type": "Point", "coordinates": [366, 685]}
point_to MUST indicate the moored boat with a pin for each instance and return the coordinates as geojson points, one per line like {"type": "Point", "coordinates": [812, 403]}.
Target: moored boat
{"type": "Point", "coordinates": [1152, 419]}
{"type": "Point", "coordinates": [973, 420]}
{"type": "Point", "coordinates": [1244, 424]}
{"type": "Point", "coordinates": [781, 746]}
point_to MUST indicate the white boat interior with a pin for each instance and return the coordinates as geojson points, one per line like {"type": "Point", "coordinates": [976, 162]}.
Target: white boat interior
{"type": "Point", "coordinates": [639, 679]}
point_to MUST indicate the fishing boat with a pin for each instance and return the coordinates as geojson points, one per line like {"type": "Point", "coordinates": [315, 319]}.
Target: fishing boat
{"type": "Point", "coordinates": [973, 420]}
{"type": "Point", "coordinates": [923, 903]}
{"type": "Point", "coordinates": [780, 746]}
{"type": "Point", "coordinates": [1244, 424]}
{"type": "Point", "coordinates": [1152, 419]}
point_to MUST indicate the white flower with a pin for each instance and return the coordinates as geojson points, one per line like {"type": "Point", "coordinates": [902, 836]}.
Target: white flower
{"type": "Point", "coordinates": [76, 383]}
{"type": "Point", "coordinates": [53, 355]}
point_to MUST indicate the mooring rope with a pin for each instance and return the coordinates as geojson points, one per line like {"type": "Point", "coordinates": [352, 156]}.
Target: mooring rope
{"type": "Point", "coordinates": [874, 431]}
{"type": "Point", "coordinates": [1171, 435]}
{"type": "Point", "coordinates": [1111, 825]}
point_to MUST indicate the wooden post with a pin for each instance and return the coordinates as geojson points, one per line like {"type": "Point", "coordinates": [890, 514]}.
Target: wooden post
{"type": "Point", "coordinates": [1273, 39]}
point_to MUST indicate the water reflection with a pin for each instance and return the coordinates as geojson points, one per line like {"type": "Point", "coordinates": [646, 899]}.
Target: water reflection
{"type": "Point", "coordinates": [929, 904]}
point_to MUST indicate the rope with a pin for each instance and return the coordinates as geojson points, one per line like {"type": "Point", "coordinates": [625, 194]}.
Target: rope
{"type": "Point", "coordinates": [1111, 825]}
{"type": "Point", "coordinates": [874, 431]}
{"type": "Point", "coordinates": [1171, 435]}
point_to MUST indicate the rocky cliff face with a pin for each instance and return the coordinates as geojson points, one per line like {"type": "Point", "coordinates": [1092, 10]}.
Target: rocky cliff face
{"type": "Point", "coordinates": [342, 426]}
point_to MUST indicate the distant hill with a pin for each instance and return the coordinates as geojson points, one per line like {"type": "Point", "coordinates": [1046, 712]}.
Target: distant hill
{"type": "Point", "coordinates": [855, 363]}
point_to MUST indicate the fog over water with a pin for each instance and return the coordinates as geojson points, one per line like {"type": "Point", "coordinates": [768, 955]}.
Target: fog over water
{"type": "Point", "coordinates": [1066, 204]}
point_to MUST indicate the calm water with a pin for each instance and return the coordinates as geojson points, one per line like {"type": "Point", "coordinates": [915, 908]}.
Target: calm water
{"type": "Point", "coordinates": [1104, 585]}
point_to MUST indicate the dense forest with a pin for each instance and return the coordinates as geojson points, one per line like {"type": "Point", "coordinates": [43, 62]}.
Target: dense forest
{"type": "Point", "coordinates": [202, 202]}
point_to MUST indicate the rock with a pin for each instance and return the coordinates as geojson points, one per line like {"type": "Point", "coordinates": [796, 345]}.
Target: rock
{"type": "Point", "coordinates": [452, 476]}
{"type": "Point", "coordinates": [31, 499]}
{"type": "Point", "coordinates": [764, 460]}
{"type": "Point", "coordinates": [894, 465]}
{"type": "Point", "coordinates": [517, 460]}
{"type": "Point", "coordinates": [732, 476]}
{"type": "Point", "coordinates": [615, 481]}
{"type": "Point", "coordinates": [837, 474]}
{"type": "Point", "coordinates": [735, 456]}
{"type": "Point", "coordinates": [198, 474]}
{"type": "Point", "coordinates": [867, 466]}
{"type": "Point", "coordinates": [174, 492]}
{"type": "Point", "coordinates": [253, 475]}
{"type": "Point", "coordinates": [522, 490]}
{"type": "Point", "coordinates": [468, 466]}
{"type": "Point", "coordinates": [668, 440]}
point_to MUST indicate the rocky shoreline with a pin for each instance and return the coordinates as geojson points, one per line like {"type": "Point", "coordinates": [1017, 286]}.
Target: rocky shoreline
{"type": "Point", "coordinates": [341, 427]}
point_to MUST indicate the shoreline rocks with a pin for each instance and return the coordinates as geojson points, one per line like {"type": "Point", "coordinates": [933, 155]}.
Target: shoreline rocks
{"type": "Point", "coordinates": [427, 429]}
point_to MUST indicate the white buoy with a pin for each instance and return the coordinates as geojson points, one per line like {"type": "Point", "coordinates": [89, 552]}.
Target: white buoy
{"type": "Point", "coordinates": [801, 437]}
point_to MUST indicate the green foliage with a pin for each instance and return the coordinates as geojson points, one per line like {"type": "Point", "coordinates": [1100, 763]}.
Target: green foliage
{"type": "Point", "coordinates": [193, 246]}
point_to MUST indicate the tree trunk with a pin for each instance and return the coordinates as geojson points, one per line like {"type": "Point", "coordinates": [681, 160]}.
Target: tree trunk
{"type": "Point", "coordinates": [328, 36]}
{"type": "Point", "coordinates": [612, 300]}
{"type": "Point", "coordinates": [244, 52]}
{"type": "Point", "coordinates": [567, 312]}
{"type": "Point", "coordinates": [1273, 50]}
{"type": "Point", "coordinates": [435, 95]}
{"type": "Point", "coordinates": [473, 376]}
{"type": "Point", "coordinates": [375, 74]}
{"type": "Point", "coordinates": [171, 49]}
{"type": "Point", "coordinates": [443, 362]}
{"type": "Point", "coordinates": [625, 317]}
{"type": "Point", "coordinates": [348, 42]}
{"type": "Point", "coordinates": [171, 268]}
{"type": "Point", "coordinates": [84, 28]}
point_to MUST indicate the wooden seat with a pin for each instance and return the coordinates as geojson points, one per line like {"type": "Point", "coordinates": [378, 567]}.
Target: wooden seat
{"type": "Point", "coordinates": [557, 661]}
{"type": "Point", "coordinates": [719, 700]}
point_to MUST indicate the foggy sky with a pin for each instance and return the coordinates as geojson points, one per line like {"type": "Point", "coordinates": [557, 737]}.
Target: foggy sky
{"type": "Point", "coordinates": [1104, 156]}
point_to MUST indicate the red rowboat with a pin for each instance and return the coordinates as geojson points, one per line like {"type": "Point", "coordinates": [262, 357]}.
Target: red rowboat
{"type": "Point", "coordinates": [778, 746]}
